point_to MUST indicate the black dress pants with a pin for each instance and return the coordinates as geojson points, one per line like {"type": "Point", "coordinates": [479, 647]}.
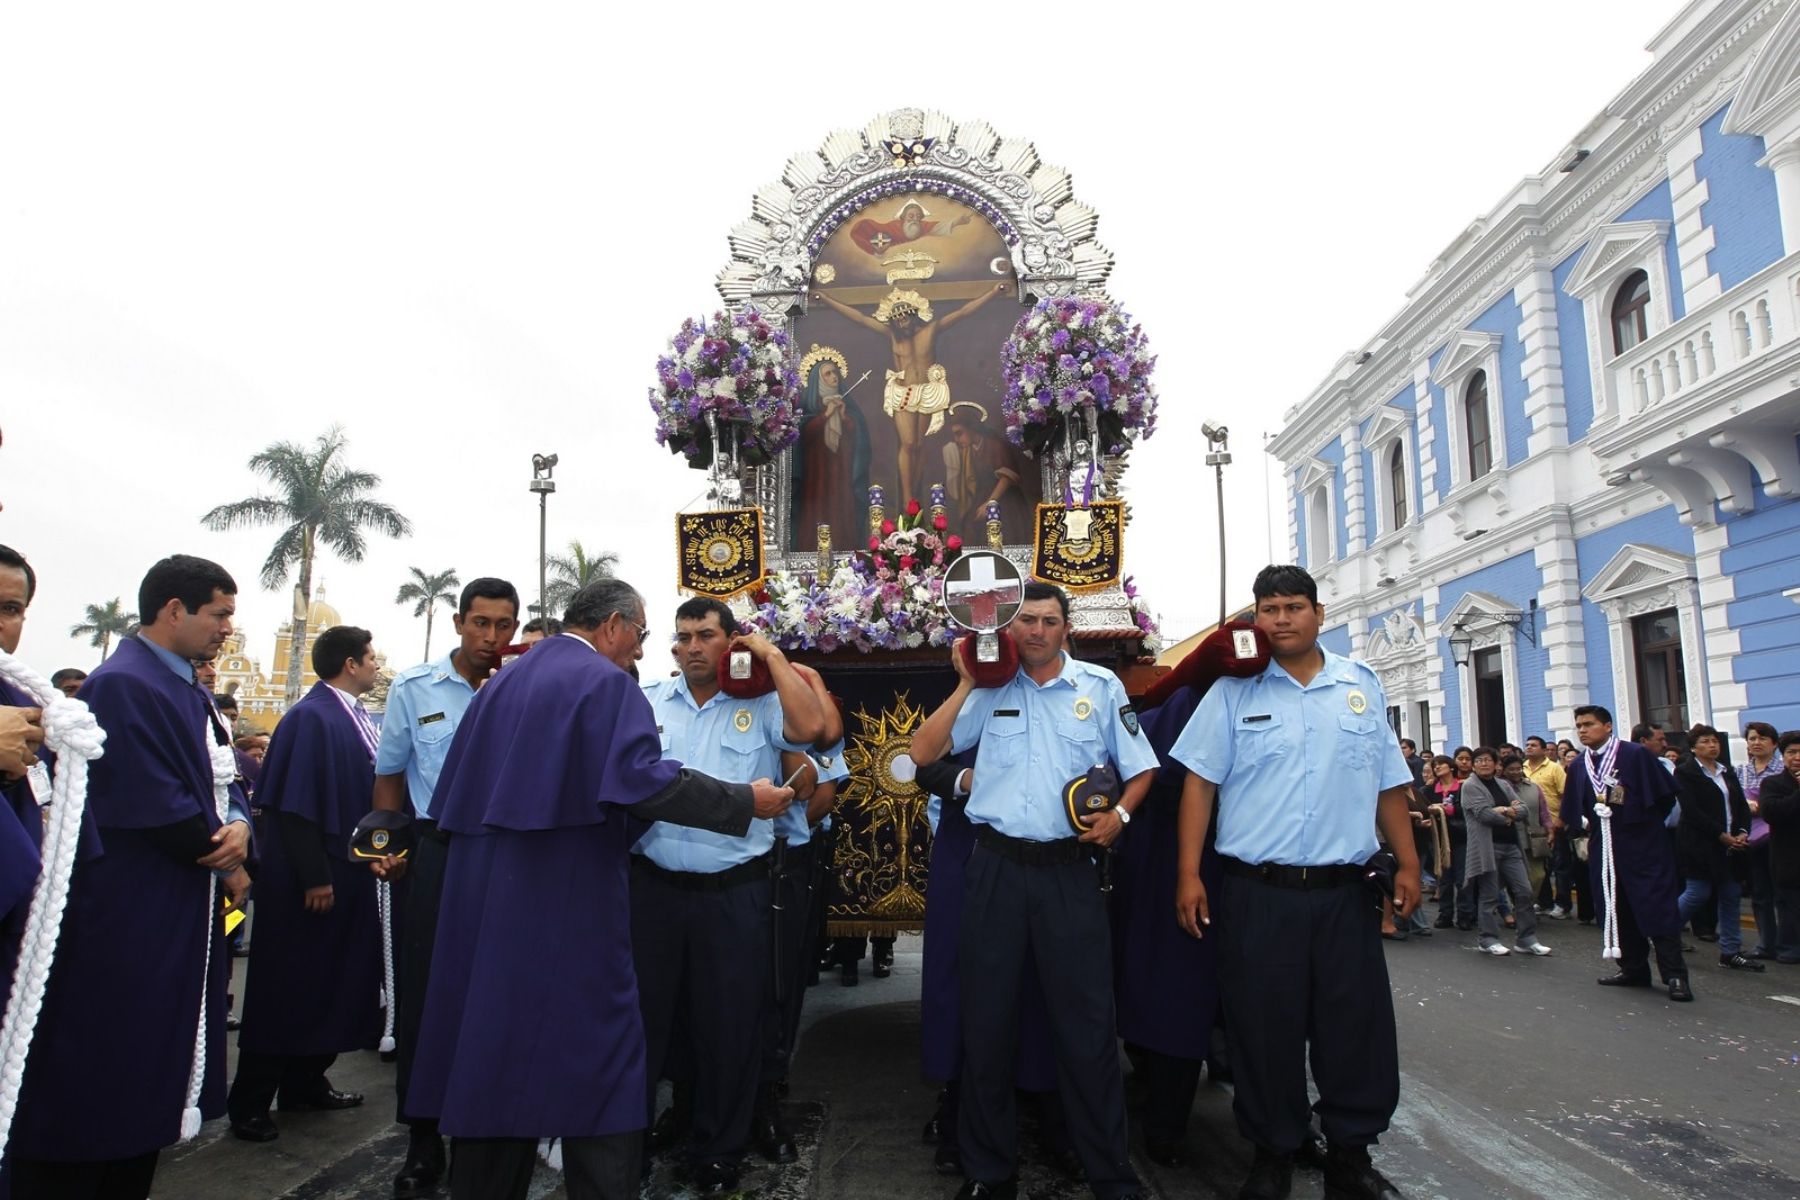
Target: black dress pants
{"type": "Point", "coordinates": [296, 1077]}
{"type": "Point", "coordinates": [594, 1168]}
{"type": "Point", "coordinates": [795, 894]}
{"type": "Point", "coordinates": [118, 1179]}
{"type": "Point", "coordinates": [424, 886]}
{"type": "Point", "coordinates": [1171, 1085]}
{"type": "Point", "coordinates": [1298, 970]}
{"type": "Point", "coordinates": [703, 964]}
{"type": "Point", "coordinates": [1056, 913]}
{"type": "Point", "coordinates": [1634, 948]}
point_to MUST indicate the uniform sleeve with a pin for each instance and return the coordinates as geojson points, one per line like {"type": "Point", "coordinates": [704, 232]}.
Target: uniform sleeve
{"type": "Point", "coordinates": [973, 718]}
{"type": "Point", "coordinates": [1131, 751]}
{"type": "Point", "coordinates": [1204, 746]}
{"type": "Point", "coordinates": [837, 772]}
{"type": "Point", "coordinates": [777, 726]}
{"type": "Point", "coordinates": [396, 746]}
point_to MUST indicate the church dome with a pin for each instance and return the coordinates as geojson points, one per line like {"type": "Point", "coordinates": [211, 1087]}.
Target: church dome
{"type": "Point", "coordinates": [320, 615]}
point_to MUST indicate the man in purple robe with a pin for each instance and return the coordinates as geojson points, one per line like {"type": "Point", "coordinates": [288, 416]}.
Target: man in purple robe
{"type": "Point", "coordinates": [531, 1026]}
{"type": "Point", "coordinates": [21, 750]}
{"type": "Point", "coordinates": [315, 967]}
{"type": "Point", "coordinates": [1639, 795]}
{"type": "Point", "coordinates": [136, 998]}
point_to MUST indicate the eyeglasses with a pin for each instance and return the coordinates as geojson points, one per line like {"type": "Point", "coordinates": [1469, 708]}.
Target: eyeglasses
{"type": "Point", "coordinates": [643, 631]}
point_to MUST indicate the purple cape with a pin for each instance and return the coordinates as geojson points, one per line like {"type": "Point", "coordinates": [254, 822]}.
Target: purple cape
{"type": "Point", "coordinates": [940, 1003]}
{"type": "Point", "coordinates": [1643, 854]}
{"type": "Point", "coordinates": [1165, 982]}
{"type": "Point", "coordinates": [108, 1072]}
{"type": "Point", "coordinates": [21, 837]}
{"type": "Point", "coordinates": [531, 1024]}
{"type": "Point", "coordinates": [314, 980]}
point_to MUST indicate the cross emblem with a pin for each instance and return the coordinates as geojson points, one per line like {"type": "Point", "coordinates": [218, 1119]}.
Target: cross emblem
{"type": "Point", "coordinates": [984, 592]}
{"type": "Point", "coordinates": [881, 241]}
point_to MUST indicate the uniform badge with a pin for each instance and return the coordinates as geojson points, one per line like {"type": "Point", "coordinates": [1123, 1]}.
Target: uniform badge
{"type": "Point", "coordinates": [742, 720]}
{"type": "Point", "coordinates": [1128, 715]}
{"type": "Point", "coordinates": [1359, 703]}
{"type": "Point", "coordinates": [379, 839]}
{"type": "Point", "coordinates": [1083, 709]}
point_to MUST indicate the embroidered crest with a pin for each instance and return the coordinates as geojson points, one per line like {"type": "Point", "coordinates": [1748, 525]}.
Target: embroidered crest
{"type": "Point", "coordinates": [1129, 716]}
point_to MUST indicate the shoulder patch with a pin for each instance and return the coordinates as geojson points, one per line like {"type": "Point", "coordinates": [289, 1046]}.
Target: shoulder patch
{"type": "Point", "coordinates": [1128, 715]}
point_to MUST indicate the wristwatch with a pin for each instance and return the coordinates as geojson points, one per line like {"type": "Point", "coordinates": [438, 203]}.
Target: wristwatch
{"type": "Point", "coordinates": [1124, 814]}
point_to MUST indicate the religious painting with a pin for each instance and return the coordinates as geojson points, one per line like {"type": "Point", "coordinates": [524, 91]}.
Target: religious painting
{"type": "Point", "coordinates": [910, 301]}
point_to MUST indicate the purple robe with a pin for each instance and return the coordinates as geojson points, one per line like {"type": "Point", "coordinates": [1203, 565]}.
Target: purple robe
{"type": "Point", "coordinates": [21, 839]}
{"type": "Point", "coordinates": [1165, 982]}
{"type": "Point", "coordinates": [1643, 854]}
{"type": "Point", "coordinates": [940, 1003]}
{"type": "Point", "coordinates": [314, 979]}
{"type": "Point", "coordinates": [108, 1073]}
{"type": "Point", "coordinates": [531, 1024]}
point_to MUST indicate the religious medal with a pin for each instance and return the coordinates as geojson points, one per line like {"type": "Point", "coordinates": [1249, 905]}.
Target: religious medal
{"type": "Point", "coordinates": [742, 720]}
{"type": "Point", "coordinates": [1615, 795]}
{"type": "Point", "coordinates": [1243, 642]}
{"type": "Point", "coordinates": [1359, 703]}
{"type": "Point", "coordinates": [1083, 708]}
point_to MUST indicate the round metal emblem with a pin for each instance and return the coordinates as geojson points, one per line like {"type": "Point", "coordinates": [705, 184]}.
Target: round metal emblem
{"type": "Point", "coordinates": [379, 839]}
{"type": "Point", "coordinates": [742, 720]}
{"type": "Point", "coordinates": [1359, 703]}
{"type": "Point", "coordinates": [1083, 709]}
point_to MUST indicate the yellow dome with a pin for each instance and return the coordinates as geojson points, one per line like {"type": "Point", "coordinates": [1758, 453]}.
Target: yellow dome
{"type": "Point", "coordinates": [320, 615]}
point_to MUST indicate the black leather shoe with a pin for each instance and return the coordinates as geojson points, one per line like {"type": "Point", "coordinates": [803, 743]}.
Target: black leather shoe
{"type": "Point", "coordinates": [1349, 1175]}
{"type": "Point", "coordinates": [1624, 980]}
{"type": "Point", "coordinates": [1271, 1176]}
{"type": "Point", "coordinates": [881, 970]}
{"type": "Point", "coordinates": [1006, 1189]}
{"type": "Point", "coordinates": [1311, 1153]}
{"type": "Point", "coordinates": [1740, 962]}
{"type": "Point", "coordinates": [417, 1179]}
{"type": "Point", "coordinates": [715, 1176]}
{"type": "Point", "coordinates": [947, 1159]}
{"type": "Point", "coordinates": [328, 1100]}
{"type": "Point", "coordinates": [771, 1137]}
{"type": "Point", "coordinates": [255, 1129]}
{"type": "Point", "coordinates": [942, 1125]}
{"type": "Point", "coordinates": [1679, 990]}
{"type": "Point", "coordinates": [1169, 1154]}
{"type": "Point", "coordinates": [675, 1123]}
{"type": "Point", "coordinates": [847, 975]}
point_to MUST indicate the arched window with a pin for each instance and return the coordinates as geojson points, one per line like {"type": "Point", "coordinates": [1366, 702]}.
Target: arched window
{"type": "Point", "coordinates": [1475, 422]}
{"type": "Point", "coordinates": [1318, 529]}
{"type": "Point", "coordinates": [1397, 483]}
{"type": "Point", "coordinates": [1631, 312]}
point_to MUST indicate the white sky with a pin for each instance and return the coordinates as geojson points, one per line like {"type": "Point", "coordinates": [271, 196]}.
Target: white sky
{"type": "Point", "coordinates": [464, 233]}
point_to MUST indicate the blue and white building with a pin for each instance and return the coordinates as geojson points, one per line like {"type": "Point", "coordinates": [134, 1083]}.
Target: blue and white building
{"type": "Point", "coordinates": [1566, 471]}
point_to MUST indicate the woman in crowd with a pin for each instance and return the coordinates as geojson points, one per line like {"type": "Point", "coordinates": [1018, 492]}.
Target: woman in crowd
{"type": "Point", "coordinates": [1780, 807]}
{"type": "Point", "coordinates": [1446, 790]}
{"type": "Point", "coordinates": [1712, 842]}
{"type": "Point", "coordinates": [1760, 763]}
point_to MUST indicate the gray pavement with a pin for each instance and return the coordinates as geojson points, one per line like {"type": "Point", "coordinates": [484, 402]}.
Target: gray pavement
{"type": "Point", "coordinates": [1521, 1079]}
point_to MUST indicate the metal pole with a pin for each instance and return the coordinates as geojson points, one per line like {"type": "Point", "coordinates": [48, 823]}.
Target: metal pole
{"type": "Point", "coordinates": [1219, 474]}
{"type": "Point", "coordinates": [543, 534]}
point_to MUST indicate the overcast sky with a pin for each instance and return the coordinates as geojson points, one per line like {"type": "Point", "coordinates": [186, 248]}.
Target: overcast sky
{"type": "Point", "coordinates": [465, 232]}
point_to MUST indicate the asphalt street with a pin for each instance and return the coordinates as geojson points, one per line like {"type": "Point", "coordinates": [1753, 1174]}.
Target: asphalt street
{"type": "Point", "coordinates": [1521, 1078]}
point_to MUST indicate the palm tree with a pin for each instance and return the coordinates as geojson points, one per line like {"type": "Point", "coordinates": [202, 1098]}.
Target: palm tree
{"type": "Point", "coordinates": [571, 572]}
{"type": "Point", "coordinates": [427, 590]}
{"type": "Point", "coordinates": [318, 499]}
{"type": "Point", "coordinates": [104, 622]}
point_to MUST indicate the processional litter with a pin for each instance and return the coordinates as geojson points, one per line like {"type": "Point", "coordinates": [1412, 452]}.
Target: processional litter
{"type": "Point", "coordinates": [916, 355]}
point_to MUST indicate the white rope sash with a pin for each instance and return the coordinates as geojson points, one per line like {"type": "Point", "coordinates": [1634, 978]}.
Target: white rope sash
{"type": "Point", "coordinates": [224, 767]}
{"type": "Point", "coordinates": [384, 892]}
{"type": "Point", "coordinates": [1609, 883]}
{"type": "Point", "coordinates": [71, 731]}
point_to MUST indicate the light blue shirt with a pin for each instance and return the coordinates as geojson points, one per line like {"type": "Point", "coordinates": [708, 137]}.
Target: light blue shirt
{"type": "Point", "coordinates": [184, 671]}
{"type": "Point", "coordinates": [1298, 769]}
{"type": "Point", "coordinates": [792, 823]}
{"type": "Point", "coordinates": [1034, 738]}
{"type": "Point", "coordinates": [425, 704]}
{"type": "Point", "coordinates": [737, 741]}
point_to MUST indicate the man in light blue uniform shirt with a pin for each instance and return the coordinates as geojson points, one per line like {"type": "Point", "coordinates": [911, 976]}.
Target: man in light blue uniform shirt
{"type": "Point", "coordinates": [701, 919]}
{"type": "Point", "coordinates": [1304, 769]}
{"type": "Point", "coordinates": [1032, 886]}
{"type": "Point", "coordinates": [425, 705]}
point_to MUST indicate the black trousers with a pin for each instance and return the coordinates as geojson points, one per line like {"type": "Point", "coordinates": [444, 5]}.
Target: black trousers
{"type": "Point", "coordinates": [260, 1077]}
{"type": "Point", "coordinates": [1172, 1082]}
{"type": "Point", "coordinates": [703, 962]}
{"type": "Point", "coordinates": [595, 1168]}
{"type": "Point", "coordinates": [1300, 969]}
{"type": "Point", "coordinates": [1634, 948]}
{"type": "Point", "coordinates": [796, 895]}
{"type": "Point", "coordinates": [118, 1179]}
{"type": "Point", "coordinates": [412, 969]}
{"type": "Point", "coordinates": [1056, 913]}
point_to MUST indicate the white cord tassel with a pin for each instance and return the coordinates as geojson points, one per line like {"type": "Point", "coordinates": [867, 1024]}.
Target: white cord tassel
{"type": "Point", "coordinates": [1609, 884]}
{"type": "Point", "coordinates": [224, 765]}
{"type": "Point", "coordinates": [384, 909]}
{"type": "Point", "coordinates": [71, 731]}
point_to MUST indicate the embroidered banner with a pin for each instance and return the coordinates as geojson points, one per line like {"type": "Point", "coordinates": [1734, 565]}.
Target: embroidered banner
{"type": "Point", "coordinates": [1081, 549]}
{"type": "Point", "coordinates": [719, 554]}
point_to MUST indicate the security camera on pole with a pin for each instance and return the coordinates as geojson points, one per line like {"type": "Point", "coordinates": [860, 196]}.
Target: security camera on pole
{"type": "Point", "coordinates": [1218, 458]}
{"type": "Point", "coordinates": [542, 465]}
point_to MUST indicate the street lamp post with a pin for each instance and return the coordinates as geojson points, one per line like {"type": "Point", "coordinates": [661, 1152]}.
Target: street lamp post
{"type": "Point", "coordinates": [1218, 458]}
{"type": "Point", "coordinates": [542, 465]}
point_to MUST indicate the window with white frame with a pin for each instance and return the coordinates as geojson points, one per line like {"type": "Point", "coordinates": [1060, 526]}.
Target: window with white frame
{"type": "Point", "coordinates": [1631, 312]}
{"type": "Point", "coordinates": [1651, 600]}
{"type": "Point", "coordinates": [1316, 489]}
{"type": "Point", "coordinates": [1468, 371]}
{"type": "Point", "coordinates": [1621, 264]}
{"type": "Point", "coordinates": [1396, 483]}
{"type": "Point", "coordinates": [1389, 440]}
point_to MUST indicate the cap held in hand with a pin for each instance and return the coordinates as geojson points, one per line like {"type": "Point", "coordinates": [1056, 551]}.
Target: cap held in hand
{"type": "Point", "coordinates": [383, 834]}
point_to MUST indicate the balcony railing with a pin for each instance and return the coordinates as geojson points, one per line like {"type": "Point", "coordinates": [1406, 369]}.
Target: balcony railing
{"type": "Point", "coordinates": [1748, 322]}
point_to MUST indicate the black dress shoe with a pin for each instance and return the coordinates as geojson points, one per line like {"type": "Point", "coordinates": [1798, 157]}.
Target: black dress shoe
{"type": "Point", "coordinates": [255, 1129]}
{"type": "Point", "coordinates": [771, 1137]}
{"type": "Point", "coordinates": [1169, 1154]}
{"type": "Point", "coordinates": [881, 969]}
{"type": "Point", "coordinates": [1006, 1189]}
{"type": "Point", "coordinates": [675, 1123]}
{"type": "Point", "coordinates": [847, 975]}
{"type": "Point", "coordinates": [417, 1179]}
{"type": "Point", "coordinates": [942, 1126]}
{"type": "Point", "coordinates": [1679, 990]}
{"type": "Point", "coordinates": [715, 1176]}
{"type": "Point", "coordinates": [1311, 1153]}
{"type": "Point", "coordinates": [1624, 980]}
{"type": "Point", "coordinates": [947, 1159]}
{"type": "Point", "coordinates": [1271, 1176]}
{"type": "Point", "coordinates": [1349, 1175]}
{"type": "Point", "coordinates": [231, 1023]}
{"type": "Point", "coordinates": [327, 1100]}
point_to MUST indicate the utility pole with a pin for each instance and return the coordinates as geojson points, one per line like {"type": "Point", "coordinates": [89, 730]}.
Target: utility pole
{"type": "Point", "coordinates": [542, 465]}
{"type": "Point", "coordinates": [1218, 458]}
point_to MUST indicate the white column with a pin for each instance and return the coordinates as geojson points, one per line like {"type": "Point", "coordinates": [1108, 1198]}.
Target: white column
{"type": "Point", "coordinates": [1559, 598]}
{"type": "Point", "coordinates": [1293, 512]}
{"type": "Point", "coordinates": [1536, 297]}
{"type": "Point", "coordinates": [1355, 516]}
{"type": "Point", "coordinates": [1428, 496]}
{"type": "Point", "coordinates": [1784, 160]}
{"type": "Point", "coordinates": [1693, 237]}
{"type": "Point", "coordinates": [1720, 641]}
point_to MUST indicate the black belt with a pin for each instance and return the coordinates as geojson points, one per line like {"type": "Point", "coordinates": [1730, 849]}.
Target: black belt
{"type": "Point", "coordinates": [1304, 878]}
{"type": "Point", "coordinates": [706, 881]}
{"type": "Point", "coordinates": [429, 828]}
{"type": "Point", "coordinates": [1032, 854]}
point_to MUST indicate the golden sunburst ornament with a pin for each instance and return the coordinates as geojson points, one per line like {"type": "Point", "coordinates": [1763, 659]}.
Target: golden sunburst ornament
{"type": "Point", "coordinates": [887, 802]}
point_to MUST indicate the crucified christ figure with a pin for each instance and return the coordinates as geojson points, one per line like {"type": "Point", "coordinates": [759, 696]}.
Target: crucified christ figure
{"type": "Point", "coordinates": [917, 387]}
